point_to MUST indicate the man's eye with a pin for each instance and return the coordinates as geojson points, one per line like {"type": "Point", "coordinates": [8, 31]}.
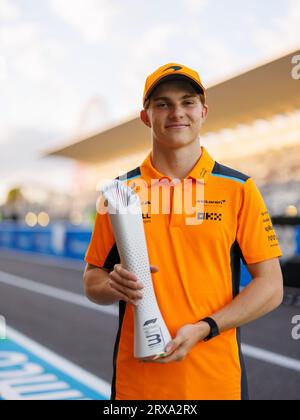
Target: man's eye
{"type": "Point", "coordinates": [189, 103]}
{"type": "Point", "coordinates": [161, 105]}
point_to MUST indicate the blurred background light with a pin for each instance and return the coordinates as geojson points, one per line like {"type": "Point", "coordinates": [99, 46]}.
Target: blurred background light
{"type": "Point", "coordinates": [291, 211]}
{"type": "Point", "coordinates": [76, 218]}
{"type": "Point", "coordinates": [43, 219]}
{"type": "Point", "coordinates": [31, 219]}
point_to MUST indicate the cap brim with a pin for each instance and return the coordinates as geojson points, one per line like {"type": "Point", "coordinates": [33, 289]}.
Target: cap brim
{"type": "Point", "coordinates": [172, 77]}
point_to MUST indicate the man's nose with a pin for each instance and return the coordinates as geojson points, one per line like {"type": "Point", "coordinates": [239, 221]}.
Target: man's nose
{"type": "Point", "coordinates": [176, 112]}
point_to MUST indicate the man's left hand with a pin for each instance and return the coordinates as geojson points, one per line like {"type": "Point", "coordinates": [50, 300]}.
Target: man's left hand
{"type": "Point", "coordinates": [177, 349]}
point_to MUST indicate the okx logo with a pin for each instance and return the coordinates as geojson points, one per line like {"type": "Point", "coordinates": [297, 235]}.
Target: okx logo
{"type": "Point", "coordinates": [210, 216]}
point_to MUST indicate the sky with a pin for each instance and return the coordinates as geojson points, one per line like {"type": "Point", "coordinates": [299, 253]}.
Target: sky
{"type": "Point", "coordinates": [69, 67]}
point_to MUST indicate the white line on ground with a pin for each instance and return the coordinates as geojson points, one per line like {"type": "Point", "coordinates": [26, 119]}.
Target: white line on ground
{"type": "Point", "coordinates": [56, 396]}
{"type": "Point", "coordinates": [60, 294]}
{"type": "Point", "coordinates": [30, 389]}
{"type": "Point", "coordinates": [30, 380]}
{"type": "Point", "coordinates": [90, 380]}
{"type": "Point", "coordinates": [44, 260]}
{"type": "Point", "coordinates": [270, 357]}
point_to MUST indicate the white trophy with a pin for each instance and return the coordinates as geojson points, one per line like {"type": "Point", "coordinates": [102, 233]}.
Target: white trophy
{"type": "Point", "coordinates": [151, 334]}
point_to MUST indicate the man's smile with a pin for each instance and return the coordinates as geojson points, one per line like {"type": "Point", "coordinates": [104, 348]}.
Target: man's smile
{"type": "Point", "coordinates": [177, 126]}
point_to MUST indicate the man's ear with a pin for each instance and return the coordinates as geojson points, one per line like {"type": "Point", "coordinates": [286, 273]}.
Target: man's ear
{"type": "Point", "coordinates": [144, 117]}
{"type": "Point", "coordinates": [205, 111]}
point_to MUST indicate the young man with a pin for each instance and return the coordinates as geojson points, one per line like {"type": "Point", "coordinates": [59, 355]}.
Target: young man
{"type": "Point", "coordinates": [197, 266]}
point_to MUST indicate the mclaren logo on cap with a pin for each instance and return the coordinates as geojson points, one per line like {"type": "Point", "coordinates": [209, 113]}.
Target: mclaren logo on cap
{"type": "Point", "coordinates": [175, 68]}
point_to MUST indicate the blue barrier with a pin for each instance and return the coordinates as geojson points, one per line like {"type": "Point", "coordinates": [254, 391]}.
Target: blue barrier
{"type": "Point", "coordinates": [77, 242]}
{"type": "Point", "coordinates": [60, 239]}
{"type": "Point", "coordinates": [245, 275]}
{"type": "Point", "coordinates": [298, 239]}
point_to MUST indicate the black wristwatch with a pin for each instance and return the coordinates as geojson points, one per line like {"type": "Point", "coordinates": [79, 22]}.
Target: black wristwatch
{"type": "Point", "coordinates": [214, 329]}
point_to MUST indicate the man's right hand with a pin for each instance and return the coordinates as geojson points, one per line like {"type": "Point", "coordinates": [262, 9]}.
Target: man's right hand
{"type": "Point", "coordinates": [128, 286]}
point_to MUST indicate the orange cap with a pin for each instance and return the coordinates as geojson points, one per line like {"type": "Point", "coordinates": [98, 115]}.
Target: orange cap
{"type": "Point", "coordinates": [172, 71]}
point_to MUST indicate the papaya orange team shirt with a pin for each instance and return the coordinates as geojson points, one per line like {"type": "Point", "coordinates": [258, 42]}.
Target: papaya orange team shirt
{"type": "Point", "coordinates": [199, 273]}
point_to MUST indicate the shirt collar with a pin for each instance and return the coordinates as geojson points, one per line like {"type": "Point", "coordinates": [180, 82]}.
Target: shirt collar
{"type": "Point", "coordinates": [201, 171]}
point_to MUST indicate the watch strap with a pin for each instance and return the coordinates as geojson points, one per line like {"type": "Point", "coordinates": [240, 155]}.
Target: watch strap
{"type": "Point", "coordinates": [214, 329]}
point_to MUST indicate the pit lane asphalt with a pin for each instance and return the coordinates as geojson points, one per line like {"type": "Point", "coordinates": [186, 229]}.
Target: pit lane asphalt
{"type": "Point", "coordinates": [86, 337]}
